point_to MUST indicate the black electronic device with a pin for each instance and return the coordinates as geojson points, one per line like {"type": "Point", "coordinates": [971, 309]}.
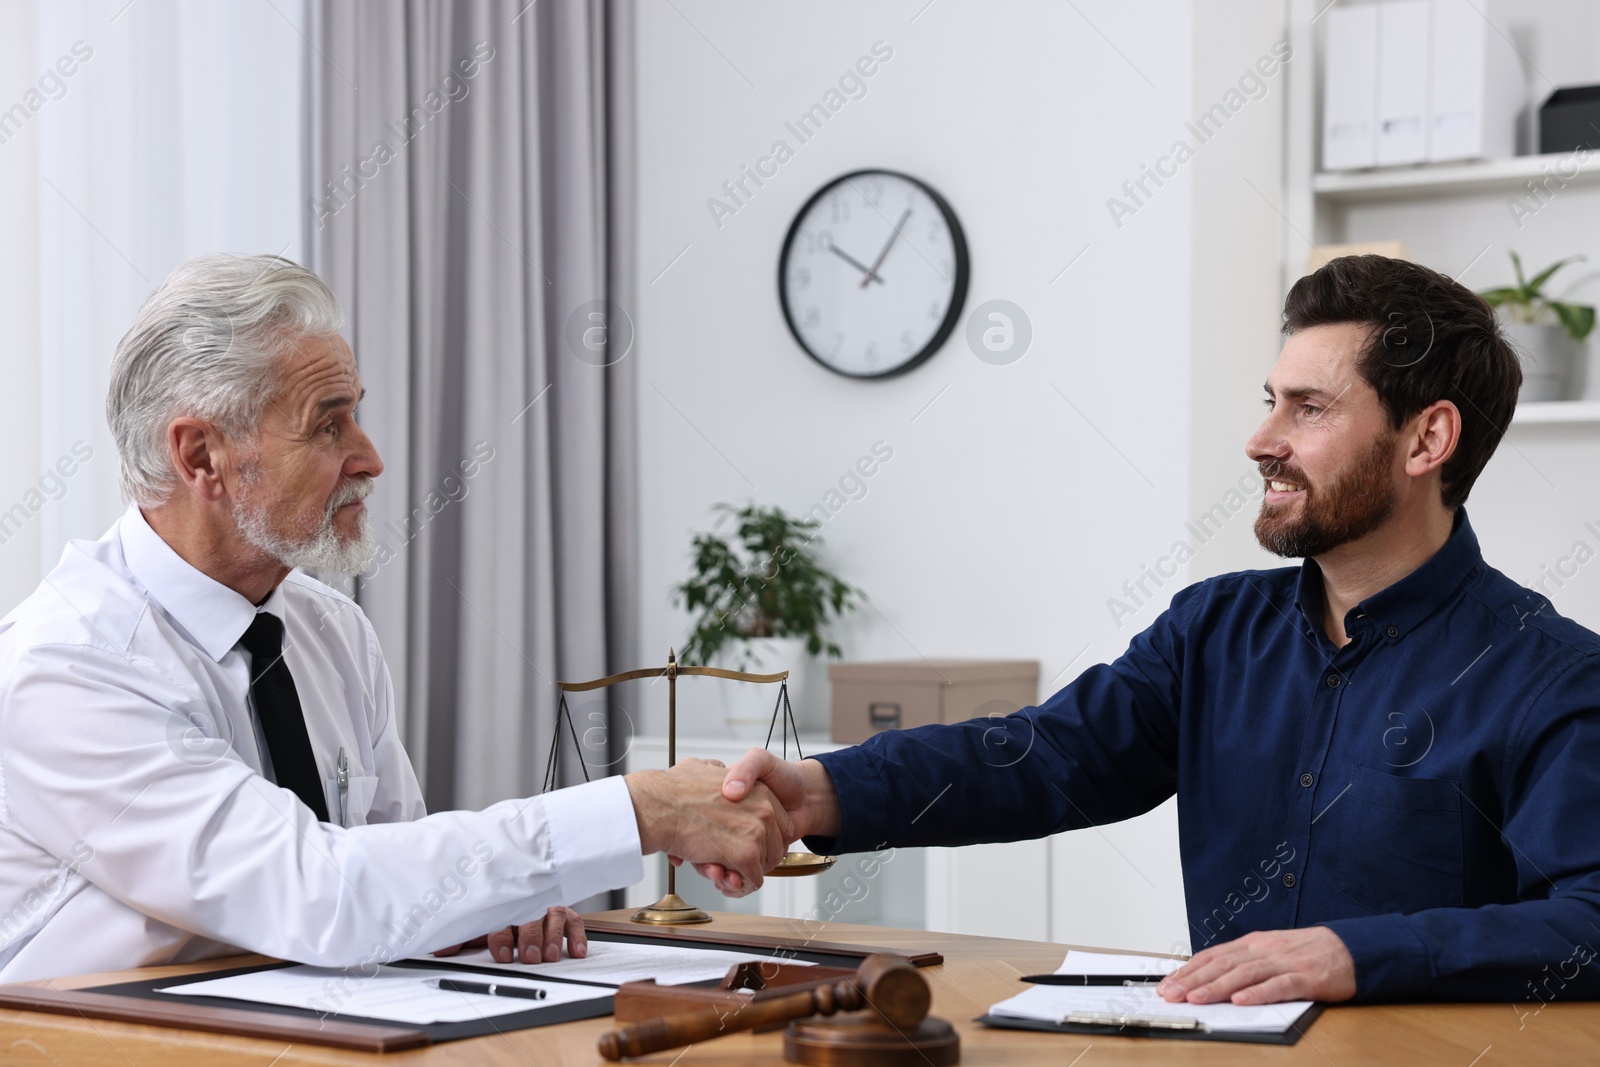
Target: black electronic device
{"type": "Point", "coordinates": [1569, 119]}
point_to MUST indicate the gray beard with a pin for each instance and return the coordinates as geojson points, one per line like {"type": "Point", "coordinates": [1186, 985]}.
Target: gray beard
{"type": "Point", "coordinates": [324, 552]}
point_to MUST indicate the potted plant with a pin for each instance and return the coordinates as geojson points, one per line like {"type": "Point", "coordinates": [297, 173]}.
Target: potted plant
{"type": "Point", "coordinates": [762, 602]}
{"type": "Point", "coordinates": [1549, 347]}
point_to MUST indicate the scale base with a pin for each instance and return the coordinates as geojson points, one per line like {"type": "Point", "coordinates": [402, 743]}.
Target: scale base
{"type": "Point", "coordinates": [670, 910]}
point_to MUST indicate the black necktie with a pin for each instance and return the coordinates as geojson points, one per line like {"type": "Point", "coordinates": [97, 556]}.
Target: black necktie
{"type": "Point", "coordinates": [278, 705]}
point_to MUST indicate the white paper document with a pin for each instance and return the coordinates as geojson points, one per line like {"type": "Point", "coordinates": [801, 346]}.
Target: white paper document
{"type": "Point", "coordinates": [1140, 1006]}
{"type": "Point", "coordinates": [396, 994]}
{"type": "Point", "coordinates": [612, 963]}
{"type": "Point", "coordinates": [1156, 967]}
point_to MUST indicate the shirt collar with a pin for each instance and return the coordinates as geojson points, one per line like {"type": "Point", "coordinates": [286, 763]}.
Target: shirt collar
{"type": "Point", "coordinates": [1396, 610]}
{"type": "Point", "coordinates": [214, 616]}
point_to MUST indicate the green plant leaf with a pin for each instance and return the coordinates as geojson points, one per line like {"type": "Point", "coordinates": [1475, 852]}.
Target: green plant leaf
{"type": "Point", "coordinates": [1577, 318]}
{"type": "Point", "coordinates": [1543, 276]}
{"type": "Point", "coordinates": [1526, 302]}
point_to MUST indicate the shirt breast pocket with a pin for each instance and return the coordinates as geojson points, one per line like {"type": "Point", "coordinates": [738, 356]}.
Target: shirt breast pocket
{"type": "Point", "coordinates": [360, 792]}
{"type": "Point", "coordinates": [1400, 843]}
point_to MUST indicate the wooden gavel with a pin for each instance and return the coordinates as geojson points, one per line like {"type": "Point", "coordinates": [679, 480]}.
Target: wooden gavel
{"type": "Point", "coordinates": [888, 985]}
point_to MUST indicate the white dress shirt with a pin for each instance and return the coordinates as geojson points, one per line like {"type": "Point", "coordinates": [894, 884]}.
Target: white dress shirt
{"type": "Point", "coordinates": [136, 826]}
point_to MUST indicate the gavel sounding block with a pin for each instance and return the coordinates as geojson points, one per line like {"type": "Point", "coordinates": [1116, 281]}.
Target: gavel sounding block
{"type": "Point", "coordinates": [866, 1040]}
{"type": "Point", "coordinates": [893, 1030]}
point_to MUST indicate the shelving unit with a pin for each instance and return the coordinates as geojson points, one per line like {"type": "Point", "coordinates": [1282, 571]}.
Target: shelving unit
{"type": "Point", "coordinates": [1462, 218]}
{"type": "Point", "coordinates": [1409, 202]}
{"type": "Point", "coordinates": [1476, 176]}
{"type": "Point", "coordinates": [1569, 411]}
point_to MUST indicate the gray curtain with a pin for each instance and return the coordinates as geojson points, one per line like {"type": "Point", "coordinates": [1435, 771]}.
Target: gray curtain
{"type": "Point", "coordinates": [469, 203]}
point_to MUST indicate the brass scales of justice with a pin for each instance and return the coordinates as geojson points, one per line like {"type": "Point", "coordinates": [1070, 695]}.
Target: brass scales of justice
{"type": "Point", "coordinates": [673, 910]}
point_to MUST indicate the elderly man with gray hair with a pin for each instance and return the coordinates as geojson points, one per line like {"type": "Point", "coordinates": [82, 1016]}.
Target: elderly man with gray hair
{"type": "Point", "coordinates": [198, 746]}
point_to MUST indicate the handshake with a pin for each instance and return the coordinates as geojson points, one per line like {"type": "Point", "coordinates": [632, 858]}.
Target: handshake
{"type": "Point", "coordinates": [733, 823]}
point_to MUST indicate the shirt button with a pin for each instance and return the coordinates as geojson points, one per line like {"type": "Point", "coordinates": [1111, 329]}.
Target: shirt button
{"type": "Point", "coordinates": [1306, 780]}
{"type": "Point", "coordinates": [1288, 881]}
{"type": "Point", "coordinates": [1333, 681]}
{"type": "Point", "coordinates": [1394, 631]}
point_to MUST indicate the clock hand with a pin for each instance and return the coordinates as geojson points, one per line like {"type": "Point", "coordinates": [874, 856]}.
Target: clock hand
{"type": "Point", "coordinates": [852, 261]}
{"type": "Point", "coordinates": [873, 273]}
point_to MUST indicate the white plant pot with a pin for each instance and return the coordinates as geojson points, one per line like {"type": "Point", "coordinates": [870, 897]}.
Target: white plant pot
{"type": "Point", "coordinates": [747, 706]}
{"type": "Point", "coordinates": [1549, 356]}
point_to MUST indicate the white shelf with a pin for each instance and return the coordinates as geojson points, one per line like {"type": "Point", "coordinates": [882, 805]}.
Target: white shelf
{"type": "Point", "coordinates": [1557, 411]}
{"type": "Point", "coordinates": [1486, 175]}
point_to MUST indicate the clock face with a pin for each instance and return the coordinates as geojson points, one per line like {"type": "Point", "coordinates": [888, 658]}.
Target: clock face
{"type": "Point", "coordinates": [873, 274]}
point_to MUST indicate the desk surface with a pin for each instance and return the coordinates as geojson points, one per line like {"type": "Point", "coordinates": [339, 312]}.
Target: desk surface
{"type": "Point", "coordinates": [977, 972]}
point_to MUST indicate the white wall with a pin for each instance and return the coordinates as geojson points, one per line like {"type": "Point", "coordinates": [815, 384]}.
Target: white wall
{"type": "Point", "coordinates": [971, 539]}
{"type": "Point", "coordinates": [177, 132]}
{"type": "Point", "coordinates": [1236, 272]}
{"type": "Point", "coordinates": [1005, 520]}
{"type": "Point", "coordinates": [19, 308]}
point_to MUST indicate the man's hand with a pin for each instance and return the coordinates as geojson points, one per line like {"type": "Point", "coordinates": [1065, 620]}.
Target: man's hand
{"type": "Point", "coordinates": [684, 813]}
{"type": "Point", "coordinates": [533, 942]}
{"type": "Point", "coordinates": [1267, 967]}
{"type": "Point", "coordinates": [805, 789]}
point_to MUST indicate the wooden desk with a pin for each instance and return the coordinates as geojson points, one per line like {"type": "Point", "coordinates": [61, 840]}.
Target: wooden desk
{"type": "Point", "coordinates": [978, 971]}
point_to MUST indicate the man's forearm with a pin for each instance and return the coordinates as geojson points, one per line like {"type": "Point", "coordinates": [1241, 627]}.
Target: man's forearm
{"type": "Point", "coordinates": [654, 830]}
{"type": "Point", "coordinates": [1529, 952]}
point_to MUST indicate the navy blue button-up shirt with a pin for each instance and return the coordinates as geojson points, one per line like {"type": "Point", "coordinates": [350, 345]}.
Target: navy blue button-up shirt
{"type": "Point", "coordinates": [1430, 791]}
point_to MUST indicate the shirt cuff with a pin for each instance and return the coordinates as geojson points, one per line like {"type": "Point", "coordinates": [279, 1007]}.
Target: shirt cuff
{"type": "Point", "coordinates": [594, 837]}
{"type": "Point", "coordinates": [863, 801]}
{"type": "Point", "coordinates": [1392, 962]}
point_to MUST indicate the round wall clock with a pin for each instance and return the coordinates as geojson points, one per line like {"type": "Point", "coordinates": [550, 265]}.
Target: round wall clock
{"type": "Point", "coordinates": [873, 274]}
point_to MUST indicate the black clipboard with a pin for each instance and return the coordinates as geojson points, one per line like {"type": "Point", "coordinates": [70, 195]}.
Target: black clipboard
{"type": "Point", "coordinates": [150, 989]}
{"type": "Point", "coordinates": [1288, 1037]}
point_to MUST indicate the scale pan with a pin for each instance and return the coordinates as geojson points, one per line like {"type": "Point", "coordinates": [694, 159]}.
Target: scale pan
{"type": "Point", "coordinates": [800, 864]}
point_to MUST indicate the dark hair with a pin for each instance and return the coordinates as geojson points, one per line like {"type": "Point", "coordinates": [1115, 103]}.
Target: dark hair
{"type": "Point", "coordinates": [1430, 338]}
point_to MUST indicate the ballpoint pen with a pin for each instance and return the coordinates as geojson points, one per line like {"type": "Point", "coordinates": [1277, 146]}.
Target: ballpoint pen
{"type": "Point", "coordinates": [492, 989]}
{"type": "Point", "coordinates": [344, 787]}
{"type": "Point", "coordinates": [1092, 979]}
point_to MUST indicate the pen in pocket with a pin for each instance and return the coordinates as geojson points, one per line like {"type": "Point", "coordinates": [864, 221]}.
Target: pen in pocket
{"type": "Point", "coordinates": [344, 787]}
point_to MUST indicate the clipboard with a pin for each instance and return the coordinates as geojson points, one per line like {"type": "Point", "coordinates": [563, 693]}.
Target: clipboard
{"type": "Point", "coordinates": [141, 1001]}
{"type": "Point", "coordinates": [1174, 1031]}
{"type": "Point", "coordinates": [255, 1020]}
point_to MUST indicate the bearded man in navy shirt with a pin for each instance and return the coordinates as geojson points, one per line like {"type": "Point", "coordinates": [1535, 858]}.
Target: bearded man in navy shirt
{"type": "Point", "coordinates": [1267, 700]}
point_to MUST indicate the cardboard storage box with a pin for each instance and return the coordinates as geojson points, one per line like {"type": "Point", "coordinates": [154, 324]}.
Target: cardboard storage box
{"type": "Point", "coordinates": [896, 694]}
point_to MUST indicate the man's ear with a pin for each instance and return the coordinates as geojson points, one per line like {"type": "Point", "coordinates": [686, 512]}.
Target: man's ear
{"type": "Point", "coordinates": [1434, 439]}
{"type": "Point", "coordinates": [199, 455]}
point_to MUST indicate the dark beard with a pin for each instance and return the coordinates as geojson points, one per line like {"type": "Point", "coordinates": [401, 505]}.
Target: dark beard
{"type": "Point", "coordinates": [1351, 507]}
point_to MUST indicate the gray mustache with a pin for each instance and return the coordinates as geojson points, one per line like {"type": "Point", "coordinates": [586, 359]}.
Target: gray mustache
{"type": "Point", "coordinates": [349, 493]}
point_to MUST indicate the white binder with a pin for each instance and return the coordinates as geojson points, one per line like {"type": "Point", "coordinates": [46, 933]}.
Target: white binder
{"type": "Point", "coordinates": [1349, 88]}
{"type": "Point", "coordinates": [1404, 55]}
{"type": "Point", "coordinates": [1477, 86]}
